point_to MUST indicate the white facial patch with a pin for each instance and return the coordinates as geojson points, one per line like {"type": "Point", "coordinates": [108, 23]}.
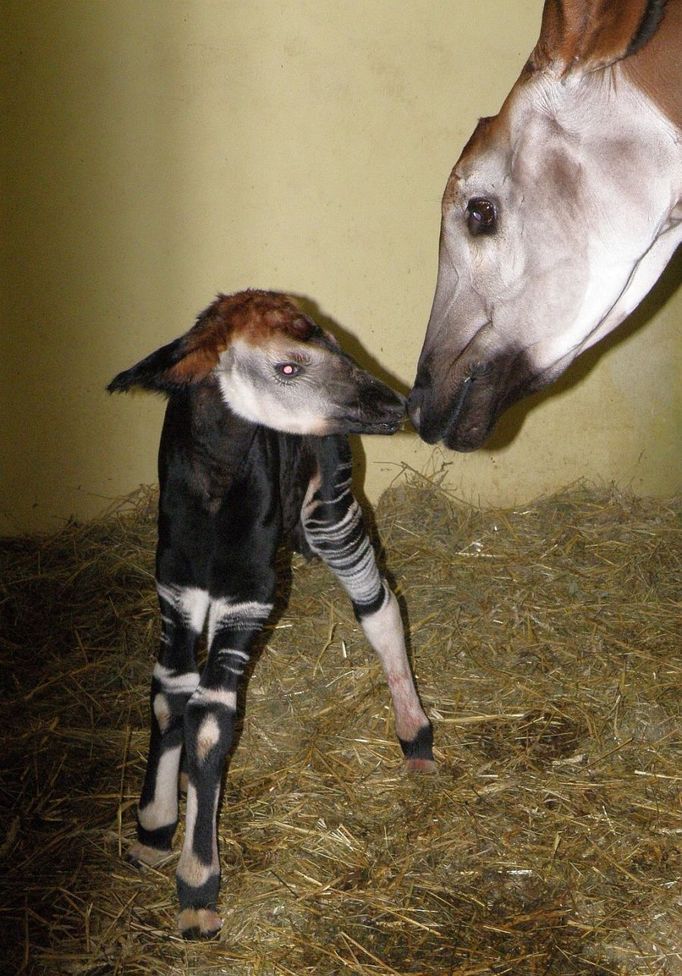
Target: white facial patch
{"type": "Point", "coordinates": [617, 237]}
{"type": "Point", "coordinates": [250, 386]}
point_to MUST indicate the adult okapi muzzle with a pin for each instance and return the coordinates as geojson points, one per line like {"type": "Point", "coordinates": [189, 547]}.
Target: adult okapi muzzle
{"type": "Point", "coordinates": [559, 216]}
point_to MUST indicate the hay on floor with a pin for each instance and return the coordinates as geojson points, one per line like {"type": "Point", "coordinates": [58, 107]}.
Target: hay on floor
{"type": "Point", "coordinates": [546, 644]}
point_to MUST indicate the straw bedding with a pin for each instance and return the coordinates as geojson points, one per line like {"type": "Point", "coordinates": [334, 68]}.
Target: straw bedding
{"type": "Point", "coordinates": [546, 644]}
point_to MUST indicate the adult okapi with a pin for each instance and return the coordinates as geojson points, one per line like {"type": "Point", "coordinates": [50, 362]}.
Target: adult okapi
{"type": "Point", "coordinates": [559, 216]}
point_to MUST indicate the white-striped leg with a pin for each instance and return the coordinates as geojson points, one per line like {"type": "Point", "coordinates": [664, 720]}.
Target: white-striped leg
{"type": "Point", "coordinates": [174, 680]}
{"type": "Point", "coordinates": [335, 530]}
{"type": "Point", "coordinates": [209, 732]}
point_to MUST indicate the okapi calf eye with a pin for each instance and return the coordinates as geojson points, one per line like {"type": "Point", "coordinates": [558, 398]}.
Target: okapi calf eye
{"type": "Point", "coordinates": [288, 370]}
{"type": "Point", "coordinates": [481, 216]}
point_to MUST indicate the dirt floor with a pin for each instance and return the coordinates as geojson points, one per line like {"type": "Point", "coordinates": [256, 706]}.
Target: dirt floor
{"type": "Point", "coordinates": [546, 643]}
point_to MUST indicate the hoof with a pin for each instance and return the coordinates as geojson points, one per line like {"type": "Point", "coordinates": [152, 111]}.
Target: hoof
{"type": "Point", "coordinates": [421, 766]}
{"type": "Point", "coordinates": [199, 923]}
{"type": "Point", "coordinates": [418, 752]}
{"type": "Point", "coordinates": [142, 854]}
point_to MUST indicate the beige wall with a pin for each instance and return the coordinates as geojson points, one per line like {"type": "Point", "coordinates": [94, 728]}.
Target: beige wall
{"type": "Point", "coordinates": [155, 152]}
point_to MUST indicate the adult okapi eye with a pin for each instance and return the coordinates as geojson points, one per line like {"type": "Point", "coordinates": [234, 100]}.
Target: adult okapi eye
{"type": "Point", "coordinates": [481, 216]}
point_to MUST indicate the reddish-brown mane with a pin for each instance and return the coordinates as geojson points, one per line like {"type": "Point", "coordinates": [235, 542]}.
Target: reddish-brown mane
{"type": "Point", "coordinates": [253, 316]}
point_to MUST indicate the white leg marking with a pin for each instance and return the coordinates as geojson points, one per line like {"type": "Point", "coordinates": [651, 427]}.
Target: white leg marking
{"type": "Point", "coordinates": [190, 869]}
{"type": "Point", "coordinates": [384, 631]}
{"type": "Point", "coordinates": [249, 615]}
{"type": "Point", "coordinates": [189, 601]}
{"type": "Point", "coordinates": [230, 652]}
{"type": "Point", "coordinates": [163, 809]}
{"type": "Point", "coordinates": [351, 559]}
{"type": "Point", "coordinates": [176, 684]}
{"type": "Point", "coordinates": [162, 711]}
{"type": "Point", "coordinates": [205, 920]}
{"type": "Point", "coordinates": [208, 736]}
{"type": "Point", "coordinates": [215, 696]}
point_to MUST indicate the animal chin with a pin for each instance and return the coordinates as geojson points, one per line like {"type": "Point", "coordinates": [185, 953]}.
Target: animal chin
{"type": "Point", "coordinates": [479, 400]}
{"type": "Point", "coordinates": [384, 417]}
{"type": "Point", "coordinates": [358, 426]}
{"type": "Point", "coordinates": [471, 417]}
{"type": "Point", "coordinates": [466, 439]}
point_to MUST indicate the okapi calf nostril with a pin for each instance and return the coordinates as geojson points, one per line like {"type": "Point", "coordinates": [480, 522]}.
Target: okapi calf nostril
{"type": "Point", "coordinates": [254, 448]}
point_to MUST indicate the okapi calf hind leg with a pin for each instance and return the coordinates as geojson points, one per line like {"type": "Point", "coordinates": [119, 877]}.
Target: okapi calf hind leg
{"type": "Point", "coordinates": [174, 680]}
{"type": "Point", "coordinates": [335, 530]}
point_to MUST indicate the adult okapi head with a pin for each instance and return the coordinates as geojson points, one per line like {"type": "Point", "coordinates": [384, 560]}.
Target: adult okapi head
{"type": "Point", "coordinates": [273, 366]}
{"type": "Point", "coordinates": [559, 216]}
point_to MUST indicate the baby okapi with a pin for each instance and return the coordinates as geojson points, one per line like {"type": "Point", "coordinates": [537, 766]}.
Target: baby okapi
{"type": "Point", "coordinates": [253, 449]}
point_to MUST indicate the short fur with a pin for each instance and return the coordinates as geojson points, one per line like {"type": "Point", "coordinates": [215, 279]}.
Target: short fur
{"type": "Point", "coordinates": [231, 490]}
{"type": "Point", "coordinates": [581, 171]}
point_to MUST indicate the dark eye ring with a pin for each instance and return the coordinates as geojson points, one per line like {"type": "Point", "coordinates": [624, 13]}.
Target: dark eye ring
{"type": "Point", "coordinates": [288, 370]}
{"type": "Point", "coordinates": [481, 216]}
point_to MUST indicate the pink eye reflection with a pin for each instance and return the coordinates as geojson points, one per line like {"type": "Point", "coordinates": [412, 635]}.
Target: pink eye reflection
{"type": "Point", "coordinates": [288, 369]}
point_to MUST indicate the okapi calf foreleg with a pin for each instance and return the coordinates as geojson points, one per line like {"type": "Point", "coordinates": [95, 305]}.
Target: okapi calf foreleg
{"type": "Point", "coordinates": [210, 717]}
{"type": "Point", "coordinates": [174, 679]}
{"type": "Point", "coordinates": [335, 530]}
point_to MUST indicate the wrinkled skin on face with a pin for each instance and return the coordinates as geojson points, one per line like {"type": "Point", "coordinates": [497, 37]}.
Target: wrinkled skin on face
{"type": "Point", "coordinates": [583, 172]}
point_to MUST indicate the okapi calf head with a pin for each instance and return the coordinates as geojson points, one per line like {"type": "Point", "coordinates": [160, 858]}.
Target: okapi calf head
{"type": "Point", "coordinates": [253, 450]}
{"type": "Point", "coordinates": [274, 367]}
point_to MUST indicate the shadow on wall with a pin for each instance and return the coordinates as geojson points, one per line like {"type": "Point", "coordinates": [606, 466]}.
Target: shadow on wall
{"type": "Point", "coordinates": [352, 345]}
{"type": "Point", "coordinates": [510, 424]}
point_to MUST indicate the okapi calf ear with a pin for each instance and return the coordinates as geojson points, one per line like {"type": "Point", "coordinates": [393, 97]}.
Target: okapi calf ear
{"type": "Point", "coordinates": [181, 363]}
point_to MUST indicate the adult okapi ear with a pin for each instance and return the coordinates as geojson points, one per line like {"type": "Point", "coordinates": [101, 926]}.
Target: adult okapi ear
{"type": "Point", "coordinates": [587, 35]}
{"type": "Point", "coordinates": [179, 364]}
